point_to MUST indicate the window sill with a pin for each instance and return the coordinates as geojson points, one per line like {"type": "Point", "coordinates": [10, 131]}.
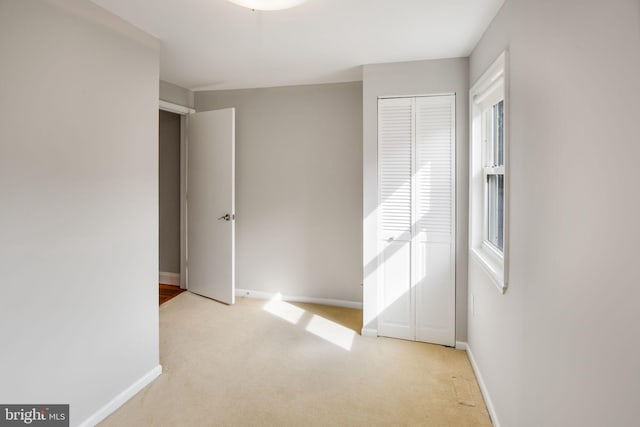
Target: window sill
{"type": "Point", "coordinates": [492, 266]}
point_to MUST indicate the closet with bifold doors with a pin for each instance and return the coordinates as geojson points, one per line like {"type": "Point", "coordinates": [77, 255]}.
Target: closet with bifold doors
{"type": "Point", "coordinates": [416, 218]}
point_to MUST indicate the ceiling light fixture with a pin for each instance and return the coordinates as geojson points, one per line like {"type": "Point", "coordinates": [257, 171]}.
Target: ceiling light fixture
{"type": "Point", "coordinates": [267, 4]}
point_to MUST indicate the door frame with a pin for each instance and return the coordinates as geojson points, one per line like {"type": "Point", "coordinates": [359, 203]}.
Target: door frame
{"type": "Point", "coordinates": [184, 123]}
{"type": "Point", "coordinates": [372, 237]}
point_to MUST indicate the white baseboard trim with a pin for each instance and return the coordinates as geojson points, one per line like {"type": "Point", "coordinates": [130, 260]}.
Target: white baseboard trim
{"type": "Point", "coordinates": [122, 398]}
{"type": "Point", "coordinates": [369, 332]}
{"type": "Point", "coordinates": [169, 278]}
{"type": "Point", "coordinates": [309, 300]}
{"type": "Point", "coordinates": [483, 388]}
{"type": "Point", "coordinates": [461, 345]}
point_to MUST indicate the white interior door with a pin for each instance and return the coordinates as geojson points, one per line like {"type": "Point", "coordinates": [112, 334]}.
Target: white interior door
{"type": "Point", "coordinates": [211, 205]}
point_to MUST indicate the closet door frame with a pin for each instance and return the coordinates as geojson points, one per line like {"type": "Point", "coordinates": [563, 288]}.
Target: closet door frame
{"type": "Point", "coordinates": [450, 341]}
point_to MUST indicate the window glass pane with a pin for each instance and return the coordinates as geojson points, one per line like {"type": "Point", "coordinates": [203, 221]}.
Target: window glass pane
{"type": "Point", "coordinates": [492, 187]}
{"type": "Point", "coordinates": [495, 210]}
{"type": "Point", "coordinates": [500, 213]}
{"type": "Point", "coordinates": [487, 137]}
{"type": "Point", "coordinates": [498, 134]}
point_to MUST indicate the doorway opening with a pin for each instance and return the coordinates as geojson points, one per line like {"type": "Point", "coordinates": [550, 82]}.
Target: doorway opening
{"type": "Point", "coordinates": [171, 199]}
{"type": "Point", "coordinates": [206, 230]}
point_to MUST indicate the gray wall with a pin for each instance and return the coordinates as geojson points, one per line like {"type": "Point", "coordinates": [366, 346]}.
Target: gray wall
{"type": "Point", "coordinates": [169, 191]}
{"type": "Point", "coordinates": [559, 348]}
{"type": "Point", "coordinates": [298, 188]}
{"type": "Point", "coordinates": [78, 190]}
{"type": "Point", "coordinates": [416, 78]}
{"type": "Point", "coordinates": [176, 94]}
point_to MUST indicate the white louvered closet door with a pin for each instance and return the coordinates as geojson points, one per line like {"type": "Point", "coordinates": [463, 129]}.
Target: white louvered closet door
{"type": "Point", "coordinates": [416, 167]}
{"type": "Point", "coordinates": [396, 118]}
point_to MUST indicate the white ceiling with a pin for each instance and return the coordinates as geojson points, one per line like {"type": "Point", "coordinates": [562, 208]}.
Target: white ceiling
{"type": "Point", "coordinates": [215, 44]}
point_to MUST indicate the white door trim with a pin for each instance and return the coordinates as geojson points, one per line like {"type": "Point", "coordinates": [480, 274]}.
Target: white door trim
{"type": "Point", "coordinates": [184, 123]}
{"type": "Point", "coordinates": [175, 108]}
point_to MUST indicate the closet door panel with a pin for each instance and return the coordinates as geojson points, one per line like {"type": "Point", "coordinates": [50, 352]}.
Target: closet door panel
{"type": "Point", "coordinates": [395, 156]}
{"type": "Point", "coordinates": [434, 299]}
{"type": "Point", "coordinates": [395, 317]}
{"type": "Point", "coordinates": [433, 273]}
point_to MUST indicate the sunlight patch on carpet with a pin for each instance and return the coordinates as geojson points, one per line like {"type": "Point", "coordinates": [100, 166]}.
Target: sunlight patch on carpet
{"type": "Point", "coordinates": [331, 331]}
{"type": "Point", "coordinates": [319, 326]}
{"type": "Point", "coordinates": [283, 310]}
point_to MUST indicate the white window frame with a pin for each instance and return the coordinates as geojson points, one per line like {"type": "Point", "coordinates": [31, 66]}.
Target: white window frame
{"type": "Point", "coordinates": [490, 88]}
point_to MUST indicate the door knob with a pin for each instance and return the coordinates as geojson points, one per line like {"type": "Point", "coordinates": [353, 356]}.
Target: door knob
{"type": "Point", "coordinates": [225, 217]}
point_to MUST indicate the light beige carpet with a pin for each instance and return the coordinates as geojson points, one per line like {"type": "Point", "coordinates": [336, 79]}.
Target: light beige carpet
{"type": "Point", "coordinates": [296, 365]}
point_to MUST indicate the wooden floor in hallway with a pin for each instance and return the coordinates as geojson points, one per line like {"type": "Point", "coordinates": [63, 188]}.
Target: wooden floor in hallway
{"type": "Point", "coordinates": [168, 291]}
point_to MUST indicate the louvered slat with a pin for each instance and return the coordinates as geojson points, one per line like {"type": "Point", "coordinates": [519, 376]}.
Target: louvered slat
{"type": "Point", "coordinates": [434, 165]}
{"type": "Point", "coordinates": [395, 134]}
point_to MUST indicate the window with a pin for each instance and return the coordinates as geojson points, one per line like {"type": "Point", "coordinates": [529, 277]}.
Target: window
{"type": "Point", "coordinates": [494, 173]}
{"type": "Point", "coordinates": [489, 178]}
